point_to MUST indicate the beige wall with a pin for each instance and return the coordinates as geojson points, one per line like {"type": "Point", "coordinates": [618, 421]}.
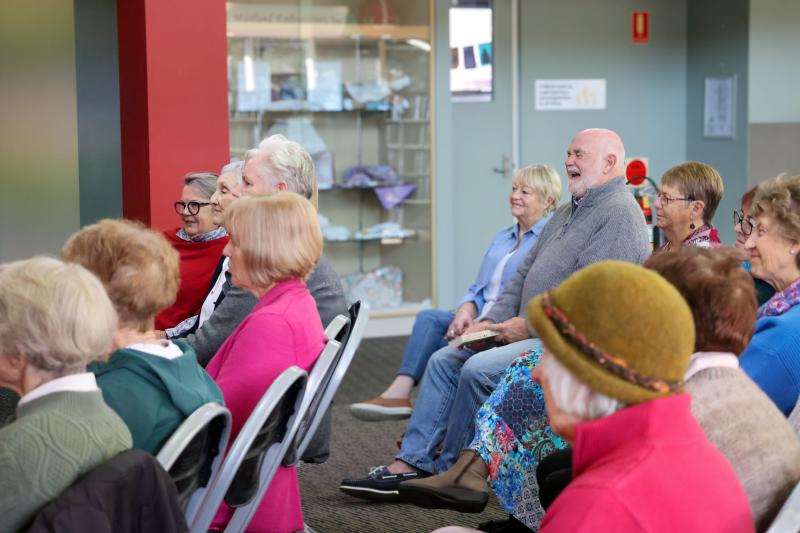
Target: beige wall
{"type": "Point", "coordinates": [774, 149]}
{"type": "Point", "coordinates": [774, 107]}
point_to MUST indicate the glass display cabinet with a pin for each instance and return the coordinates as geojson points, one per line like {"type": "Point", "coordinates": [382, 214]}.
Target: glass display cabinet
{"type": "Point", "coordinates": [350, 80]}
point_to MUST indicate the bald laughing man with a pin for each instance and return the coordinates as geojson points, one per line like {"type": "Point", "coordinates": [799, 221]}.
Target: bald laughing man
{"type": "Point", "coordinates": [603, 221]}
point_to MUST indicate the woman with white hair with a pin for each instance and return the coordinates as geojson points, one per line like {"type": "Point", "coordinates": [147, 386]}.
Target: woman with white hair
{"type": "Point", "coordinates": [278, 164]}
{"type": "Point", "coordinates": [613, 390]}
{"type": "Point", "coordinates": [199, 242]}
{"type": "Point", "coordinates": [54, 319]}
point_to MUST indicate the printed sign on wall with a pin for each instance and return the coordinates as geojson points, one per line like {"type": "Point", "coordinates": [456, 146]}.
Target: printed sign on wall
{"type": "Point", "coordinates": [563, 95]}
{"type": "Point", "coordinates": [719, 120]}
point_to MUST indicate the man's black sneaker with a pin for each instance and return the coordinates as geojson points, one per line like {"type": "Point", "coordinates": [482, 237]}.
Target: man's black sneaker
{"type": "Point", "coordinates": [379, 485]}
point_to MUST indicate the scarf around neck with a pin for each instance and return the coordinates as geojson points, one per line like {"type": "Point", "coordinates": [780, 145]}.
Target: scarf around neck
{"type": "Point", "coordinates": [705, 236]}
{"type": "Point", "coordinates": [781, 302]}
{"type": "Point", "coordinates": [205, 237]}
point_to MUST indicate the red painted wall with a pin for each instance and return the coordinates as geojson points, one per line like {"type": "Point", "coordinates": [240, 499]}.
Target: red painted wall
{"type": "Point", "coordinates": [173, 100]}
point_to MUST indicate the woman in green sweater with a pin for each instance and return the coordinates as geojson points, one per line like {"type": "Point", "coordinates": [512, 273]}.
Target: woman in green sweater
{"type": "Point", "coordinates": [153, 384]}
{"type": "Point", "coordinates": [54, 319]}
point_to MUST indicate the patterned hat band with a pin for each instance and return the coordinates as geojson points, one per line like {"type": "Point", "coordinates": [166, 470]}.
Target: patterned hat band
{"type": "Point", "coordinates": [613, 364]}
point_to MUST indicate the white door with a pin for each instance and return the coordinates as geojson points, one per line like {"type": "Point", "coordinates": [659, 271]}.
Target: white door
{"type": "Point", "coordinates": [483, 151]}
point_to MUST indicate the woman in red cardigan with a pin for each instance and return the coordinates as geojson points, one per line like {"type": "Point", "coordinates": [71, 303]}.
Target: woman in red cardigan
{"type": "Point", "coordinates": [199, 242]}
{"type": "Point", "coordinates": [275, 244]}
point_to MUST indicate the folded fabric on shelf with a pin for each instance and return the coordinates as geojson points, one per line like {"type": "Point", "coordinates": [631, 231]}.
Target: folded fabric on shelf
{"type": "Point", "coordinates": [384, 230]}
{"type": "Point", "coordinates": [332, 232]}
{"type": "Point", "coordinates": [380, 288]}
{"type": "Point", "coordinates": [370, 176]}
{"type": "Point", "coordinates": [391, 197]}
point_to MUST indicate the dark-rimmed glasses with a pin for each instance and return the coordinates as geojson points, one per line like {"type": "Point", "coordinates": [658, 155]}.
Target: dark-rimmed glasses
{"type": "Point", "coordinates": [744, 223]}
{"type": "Point", "coordinates": [193, 207]}
{"type": "Point", "coordinates": [665, 199]}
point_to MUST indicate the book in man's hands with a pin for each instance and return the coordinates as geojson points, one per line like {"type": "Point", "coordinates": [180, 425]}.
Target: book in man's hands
{"type": "Point", "coordinates": [468, 338]}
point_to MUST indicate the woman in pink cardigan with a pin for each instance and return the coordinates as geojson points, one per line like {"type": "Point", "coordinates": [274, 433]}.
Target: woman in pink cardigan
{"type": "Point", "coordinates": [612, 378]}
{"type": "Point", "coordinates": [613, 387]}
{"type": "Point", "coordinates": [275, 244]}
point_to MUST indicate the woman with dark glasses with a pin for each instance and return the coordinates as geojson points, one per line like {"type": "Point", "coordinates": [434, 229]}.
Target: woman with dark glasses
{"type": "Point", "coordinates": [743, 226]}
{"type": "Point", "coordinates": [199, 242]}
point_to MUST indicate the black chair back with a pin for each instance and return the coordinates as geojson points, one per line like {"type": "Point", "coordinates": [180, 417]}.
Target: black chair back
{"type": "Point", "coordinates": [245, 483]}
{"type": "Point", "coordinates": [192, 470]}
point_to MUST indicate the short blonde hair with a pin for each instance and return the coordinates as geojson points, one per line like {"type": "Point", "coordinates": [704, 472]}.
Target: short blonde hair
{"type": "Point", "coordinates": [545, 181]}
{"type": "Point", "coordinates": [137, 266]}
{"type": "Point", "coordinates": [279, 236]}
{"type": "Point", "coordinates": [55, 314]}
{"type": "Point", "coordinates": [280, 159]}
{"type": "Point", "coordinates": [697, 181]}
{"type": "Point", "coordinates": [779, 198]}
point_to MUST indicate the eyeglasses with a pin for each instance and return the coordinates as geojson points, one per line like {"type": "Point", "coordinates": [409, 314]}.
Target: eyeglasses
{"type": "Point", "coordinates": [193, 207]}
{"type": "Point", "coordinates": [665, 200]}
{"type": "Point", "coordinates": [746, 224]}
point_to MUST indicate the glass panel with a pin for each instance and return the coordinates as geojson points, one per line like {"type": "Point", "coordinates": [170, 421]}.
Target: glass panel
{"type": "Point", "coordinates": [349, 81]}
{"type": "Point", "coordinates": [471, 51]}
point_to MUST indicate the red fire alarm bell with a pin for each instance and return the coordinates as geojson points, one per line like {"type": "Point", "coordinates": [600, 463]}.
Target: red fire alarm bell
{"type": "Point", "coordinates": [636, 171]}
{"type": "Point", "coordinates": [641, 27]}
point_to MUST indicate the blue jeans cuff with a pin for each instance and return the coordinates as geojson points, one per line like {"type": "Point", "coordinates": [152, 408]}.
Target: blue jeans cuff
{"type": "Point", "coordinates": [419, 462]}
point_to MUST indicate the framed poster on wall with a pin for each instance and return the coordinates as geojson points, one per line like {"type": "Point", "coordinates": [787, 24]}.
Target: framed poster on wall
{"type": "Point", "coordinates": [719, 109]}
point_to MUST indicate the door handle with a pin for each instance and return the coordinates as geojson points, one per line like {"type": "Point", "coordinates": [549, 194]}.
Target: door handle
{"type": "Point", "coordinates": [505, 167]}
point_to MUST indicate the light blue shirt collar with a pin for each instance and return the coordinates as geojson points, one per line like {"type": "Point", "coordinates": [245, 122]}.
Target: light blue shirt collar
{"type": "Point", "coordinates": [536, 229]}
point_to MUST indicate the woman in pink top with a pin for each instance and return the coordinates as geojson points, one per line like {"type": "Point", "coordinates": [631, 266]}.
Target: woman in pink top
{"type": "Point", "coordinates": [617, 340]}
{"type": "Point", "coordinates": [612, 377]}
{"type": "Point", "coordinates": [275, 244]}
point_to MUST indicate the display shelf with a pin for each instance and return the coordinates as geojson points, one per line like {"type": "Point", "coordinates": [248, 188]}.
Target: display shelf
{"type": "Point", "coordinates": [382, 240]}
{"type": "Point", "coordinates": [407, 121]}
{"type": "Point", "coordinates": [323, 30]}
{"type": "Point", "coordinates": [337, 187]}
{"type": "Point", "coordinates": [408, 147]}
{"type": "Point", "coordinates": [394, 321]}
{"type": "Point", "coordinates": [417, 201]}
{"type": "Point", "coordinates": [245, 119]}
{"type": "Point", "coordinates": [290, 56]}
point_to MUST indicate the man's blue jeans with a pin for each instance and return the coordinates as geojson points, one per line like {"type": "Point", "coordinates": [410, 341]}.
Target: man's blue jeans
{"type": "Point", "coordinates": [456, 384]}
{"type": "Point", "coordinates": [427, 336]}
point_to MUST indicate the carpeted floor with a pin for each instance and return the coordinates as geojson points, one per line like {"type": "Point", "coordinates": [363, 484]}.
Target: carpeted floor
{"type": "Point", "coordinates": [358, 446]}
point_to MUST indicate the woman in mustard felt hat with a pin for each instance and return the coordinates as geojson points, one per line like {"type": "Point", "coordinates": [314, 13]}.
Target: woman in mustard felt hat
{"type": "Point", "coordinates": [617, 341]}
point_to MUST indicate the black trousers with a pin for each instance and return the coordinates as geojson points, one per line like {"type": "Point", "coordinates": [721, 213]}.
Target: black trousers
{"type": "Point", "coordinates": [553, 475]}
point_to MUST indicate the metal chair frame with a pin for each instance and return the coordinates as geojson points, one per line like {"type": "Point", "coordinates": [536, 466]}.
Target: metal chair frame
{"type": "Point", "coordinates": [313, 402]}
{"type": "Point", "coordinates": [270, 461]}
{"type": "Point", "coordinates": [179, 441]}
{"type": "Point", "coordinates": [788, 518]}
{"type": "Point", "coordinates": [244, 514]}
{"type": "Point", "coordinates": [359, 316]}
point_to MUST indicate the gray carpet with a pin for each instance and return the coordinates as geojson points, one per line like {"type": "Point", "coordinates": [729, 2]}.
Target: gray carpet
{"type": "Point", "coordinates": [358, 446]}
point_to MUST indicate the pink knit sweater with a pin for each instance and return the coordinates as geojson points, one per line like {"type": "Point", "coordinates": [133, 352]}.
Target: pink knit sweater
{"type": "Point", "coordinates": [649, 468]}
{"type": "Point", "coordinates": [282, 330]}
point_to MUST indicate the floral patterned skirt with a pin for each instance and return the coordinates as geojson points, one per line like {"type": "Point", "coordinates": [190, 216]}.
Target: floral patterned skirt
{"type": "Point", "coordinates": [512, 435]}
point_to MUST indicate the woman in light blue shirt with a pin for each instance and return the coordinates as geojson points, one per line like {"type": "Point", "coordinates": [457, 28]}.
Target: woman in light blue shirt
{"type": "Point", "coordinates": [535, 191]}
